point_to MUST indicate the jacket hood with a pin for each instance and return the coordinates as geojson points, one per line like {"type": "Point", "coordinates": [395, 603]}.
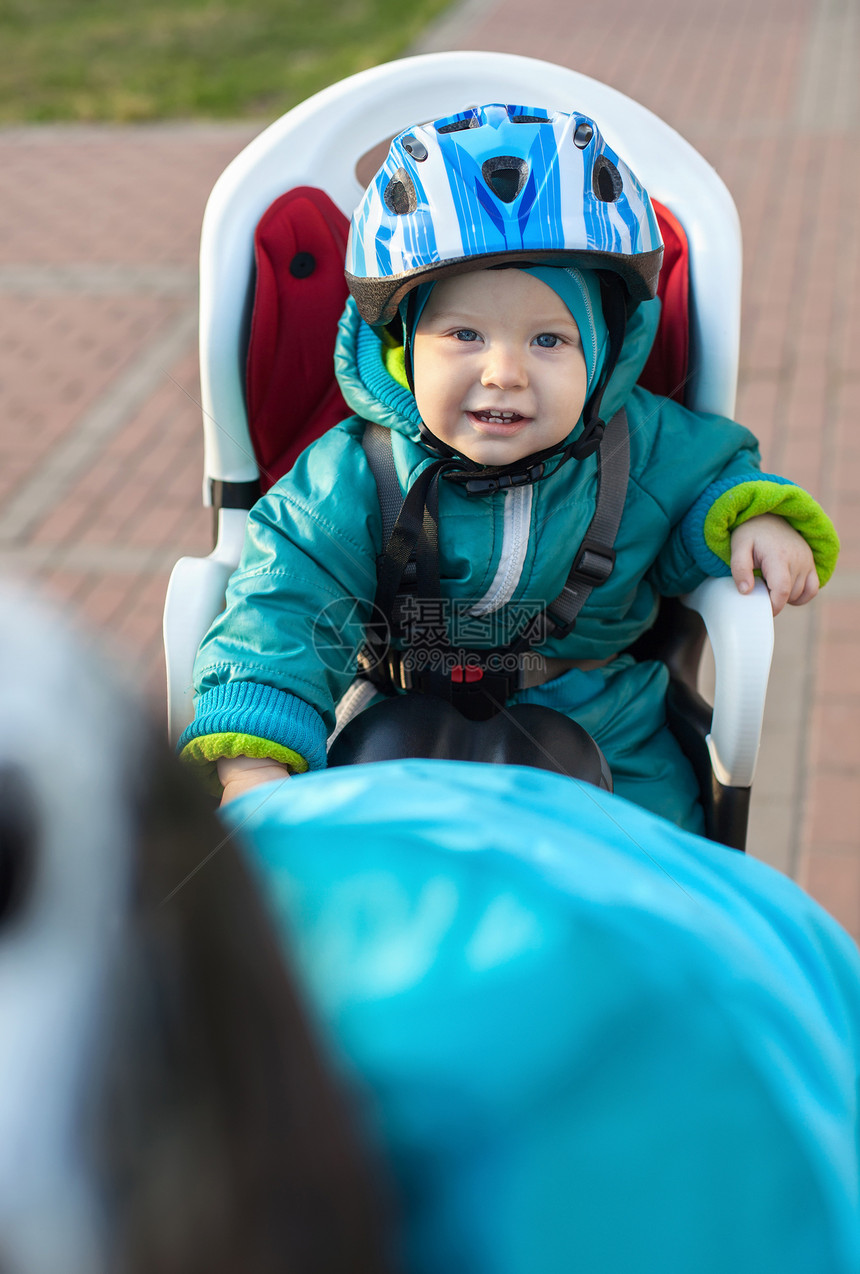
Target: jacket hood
{"type": "Point", "coordinates": [374, 394]}
{"type": "Point", "coordinates": [365, 382]}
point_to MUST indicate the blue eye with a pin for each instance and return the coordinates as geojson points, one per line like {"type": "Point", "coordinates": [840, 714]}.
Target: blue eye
{"type": "Point", "coordinates": [466, 334]}
{"type": "Point", "coordinates": [547, 340]}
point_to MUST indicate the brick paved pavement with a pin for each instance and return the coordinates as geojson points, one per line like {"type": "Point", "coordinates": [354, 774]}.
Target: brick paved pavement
{"type": "Point", "coordinates": [99, 431]}
{"type": "Point", "coordinates": [100, 448]}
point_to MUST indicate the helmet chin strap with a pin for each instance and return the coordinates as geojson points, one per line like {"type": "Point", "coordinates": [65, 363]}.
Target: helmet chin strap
{"type": "Point", "coordinates": [615, 313]}
{"type": "Point", "coordinates": [486, 479]}
{"type": "Point", "coordinates": [481, 479]}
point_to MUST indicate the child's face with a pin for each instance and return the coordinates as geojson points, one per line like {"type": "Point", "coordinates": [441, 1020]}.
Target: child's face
{"type": "Point", "coordinates": [498, 366]}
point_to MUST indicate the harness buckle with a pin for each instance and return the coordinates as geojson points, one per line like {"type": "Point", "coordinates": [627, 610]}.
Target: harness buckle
{"type": "Point", "coordinates": [467, 673]}
{"type": "Point", "coordinates": [476, 690]}
{"type": "Point", "coordinates": [399, 671]}
{"type": "Point", "coordinates": [594, 563]}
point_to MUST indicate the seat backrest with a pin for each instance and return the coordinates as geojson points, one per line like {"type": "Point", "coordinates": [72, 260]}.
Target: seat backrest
{"type": "Point", "coordinates": [320, 143]}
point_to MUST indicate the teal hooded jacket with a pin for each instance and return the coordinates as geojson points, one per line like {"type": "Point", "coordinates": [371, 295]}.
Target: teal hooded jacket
{"type": "Point", "coordinates": [274, 665]}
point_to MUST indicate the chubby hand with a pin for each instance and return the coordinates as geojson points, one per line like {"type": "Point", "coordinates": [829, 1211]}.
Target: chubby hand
{"type": "Point", "coordinates": [239, 774]}
{"type": "Point", "coordinates": [782, 555]}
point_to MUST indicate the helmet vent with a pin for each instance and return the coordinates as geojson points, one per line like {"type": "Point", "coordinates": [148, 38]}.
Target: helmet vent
{"type": "Point", "coordinates": [399, 194]}
{"type": "Point", "coordinates": [530, 119]}
{"type": "Point", "coordinates": [459, 125]}
{"type": "Point", "coordinates": [505, 175]}
{"type": "Point", "coordinates": [606, 180]}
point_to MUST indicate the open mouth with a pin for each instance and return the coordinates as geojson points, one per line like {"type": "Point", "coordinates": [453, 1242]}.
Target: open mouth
{"type": "Point", "coordinates": [498, 422]}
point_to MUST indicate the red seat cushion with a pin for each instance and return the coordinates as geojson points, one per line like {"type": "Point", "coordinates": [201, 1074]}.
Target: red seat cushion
{"type": "Point", "coordinates": [292, 394]}
{"type": "Point", "coordinates": [668, 363]}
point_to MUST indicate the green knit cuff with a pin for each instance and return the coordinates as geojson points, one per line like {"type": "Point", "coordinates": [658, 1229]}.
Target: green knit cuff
{"type": "Point", "coordinates": [208, 749]}
{"type": "Point", "coordinates": [751, 499]}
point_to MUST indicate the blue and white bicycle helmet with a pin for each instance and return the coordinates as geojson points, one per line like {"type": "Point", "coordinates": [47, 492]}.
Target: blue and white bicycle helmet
{"type": "Point", "coordinates": [493, 185]}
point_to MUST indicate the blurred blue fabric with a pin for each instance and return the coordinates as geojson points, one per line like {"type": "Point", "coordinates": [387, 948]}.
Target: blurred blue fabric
{"type": "Point", "coordinates": [583, 1039]}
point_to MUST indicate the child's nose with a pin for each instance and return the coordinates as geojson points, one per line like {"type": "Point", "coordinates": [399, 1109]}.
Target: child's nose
{"type": "Point", "coordinates": [504, 368]}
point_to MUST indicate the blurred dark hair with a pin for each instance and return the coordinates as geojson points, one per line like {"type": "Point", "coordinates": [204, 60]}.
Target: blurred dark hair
{"type": "Point", "coordinates": [222, 1140]}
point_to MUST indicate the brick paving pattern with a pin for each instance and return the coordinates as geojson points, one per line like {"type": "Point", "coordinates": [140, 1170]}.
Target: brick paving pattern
{"type": "Point", "coordinates": [100, 446]}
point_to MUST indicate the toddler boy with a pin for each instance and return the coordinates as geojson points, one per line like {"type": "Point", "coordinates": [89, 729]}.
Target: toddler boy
{"type": "Point", "coordinates": [494, 368]}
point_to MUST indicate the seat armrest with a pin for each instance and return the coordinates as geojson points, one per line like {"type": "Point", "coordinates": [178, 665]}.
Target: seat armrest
{"type": "Point", "coordinates": [195, 596]}
{"type": "Point", "coordinates": [740, 630]}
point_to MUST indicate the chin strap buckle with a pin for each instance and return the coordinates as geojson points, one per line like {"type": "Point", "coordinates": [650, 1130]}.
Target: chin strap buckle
{"type": "Point", "coordinates": [501, 481]}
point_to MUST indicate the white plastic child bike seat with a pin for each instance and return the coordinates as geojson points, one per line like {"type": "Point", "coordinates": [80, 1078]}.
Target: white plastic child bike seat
{"type": "Point", "coordinates": [319, 143]}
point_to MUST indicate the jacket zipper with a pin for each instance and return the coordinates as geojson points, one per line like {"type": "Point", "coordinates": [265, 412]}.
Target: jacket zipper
{"type": "Point", "coordinates": [515, 544]}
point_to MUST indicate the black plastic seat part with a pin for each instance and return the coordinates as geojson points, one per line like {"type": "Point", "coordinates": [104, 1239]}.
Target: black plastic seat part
{"type": "Point", "coordinates": [422, 726]}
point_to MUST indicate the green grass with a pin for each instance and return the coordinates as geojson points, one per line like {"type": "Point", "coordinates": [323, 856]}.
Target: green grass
{"type": "Point", "coordinates": [130, 60]}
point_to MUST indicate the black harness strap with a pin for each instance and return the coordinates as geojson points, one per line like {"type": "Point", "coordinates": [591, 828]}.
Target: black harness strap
{"type": "Point", "coordinates": [380, 457]}
{"type": "Point", "coordinates": [410, 546]}
{"type": "Point", "coordinates": [409, 560]}
{"type": "Point", "coordinates": [595, 559]}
